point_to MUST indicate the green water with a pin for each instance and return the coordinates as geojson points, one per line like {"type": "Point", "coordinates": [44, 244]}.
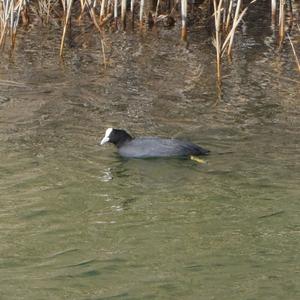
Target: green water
{"type": "Point", "coordinates": [79, 222]}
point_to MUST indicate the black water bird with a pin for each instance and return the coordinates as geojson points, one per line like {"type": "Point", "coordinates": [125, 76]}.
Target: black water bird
{"type": "Point", "coordinates": [146, 147]}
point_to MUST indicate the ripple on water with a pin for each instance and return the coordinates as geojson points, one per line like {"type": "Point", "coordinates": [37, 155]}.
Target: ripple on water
{"type": "Point", "coordinates": [78, 221]}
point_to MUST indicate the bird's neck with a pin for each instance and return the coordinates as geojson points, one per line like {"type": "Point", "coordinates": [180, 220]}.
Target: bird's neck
{"type": "Point", "coordinates": [124, 139]}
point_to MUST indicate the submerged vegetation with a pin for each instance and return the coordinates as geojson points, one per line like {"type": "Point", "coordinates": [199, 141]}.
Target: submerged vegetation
{"type": "Point", "coordinates": [223, 17]}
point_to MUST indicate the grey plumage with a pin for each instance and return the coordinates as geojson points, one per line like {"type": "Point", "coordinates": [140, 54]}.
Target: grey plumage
{"type": "Point", "coordinates": [150, 146]}
{"type": "Point", "coordinates": [159, 147]}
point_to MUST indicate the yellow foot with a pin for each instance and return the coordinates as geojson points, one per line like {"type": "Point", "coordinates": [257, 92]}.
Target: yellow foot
{"type": "Point", "coordinates": [197, 159]}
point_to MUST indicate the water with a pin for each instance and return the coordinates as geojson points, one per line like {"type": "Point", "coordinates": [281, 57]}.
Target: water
{"type": "Point", "coordinates": [79, 222]}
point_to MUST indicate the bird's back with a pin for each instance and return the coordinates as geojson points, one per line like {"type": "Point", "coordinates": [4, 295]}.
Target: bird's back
{"type": "Point", "coordinates": [158, 147]}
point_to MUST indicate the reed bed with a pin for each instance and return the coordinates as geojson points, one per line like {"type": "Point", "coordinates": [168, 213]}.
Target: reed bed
{"type": "Point", "coordinates": [226, 23]}
{"type": "Point", "coordinates": [227, 15]}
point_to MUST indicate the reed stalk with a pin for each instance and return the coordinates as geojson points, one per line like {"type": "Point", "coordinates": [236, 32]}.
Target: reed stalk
{"type": "Point", "coordinates": [10, 12]}
{"type": "Point", "coordinates": [183, 20]}
{"type": "Point", "coordinates": [67, 6]}
{"type": "Point", "coordinates": [94, 19]}
{"type": "Point", "coordinates": [228, 18]}
{"type": "Point", "coordinates": [156, 10]}
{"type": "Point", "coordinates": [116, 13]}
{"type": "Point", "coordinates": [228, 14]}
{"type": "Point", "coordinates": [294, 51]}
{"type": "Point", "coordinates": [281, 17]}
{"type": "Point", "coordinates": [175, 4]}
{"type": "Point", "coordinates": [15, 21]}
{"type": "Point", "coordinates": [217, 39]}
{"type": "Point", "coordinates": [92, 9]}
{"type": "Point", "coordinates": [289, 8]}
{"type": "Point", "coordinates": [132, 12]}
{"type": "Point", "coordinates": [63, 3]}
{"type": "Point", "coordinates": [43, 8]}
{"type": "Point", "coordinates": [25, 16]}
{"type": "Point", "coordinates": [273, 11]}
{"type": "Point", "coordinates": [102, 11]}
{"type": "Point", "coordinates": [224, 13]}
{"type": "Point", "coordinates": [123, 13]}
{"type": "Point", "coordinates": [7, 7]}
{"type": "Point", "coordinates": [107, 18]}
{"type": "Point", "coordinates": [82, 6]}
{"type": "Point", "coordinates": [108, 7]}
{"type": "Point", "coordinates": [230, 35]}
{"type": "Point", "coordinates": [222, 20]}
{"type": "Point", "coordinates": [142, 5]}
{"type": "Point", "coordinates": [235, 23]}
{"type": "Point", "coordinates": [281, 21]}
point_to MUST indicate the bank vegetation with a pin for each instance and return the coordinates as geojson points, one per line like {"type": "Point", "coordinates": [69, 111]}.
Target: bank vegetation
{"type": "Point", "coordinates": [222, 17]}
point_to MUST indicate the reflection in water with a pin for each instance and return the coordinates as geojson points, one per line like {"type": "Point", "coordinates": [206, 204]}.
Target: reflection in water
{"type": "Point", "coordinates": [78, 220]}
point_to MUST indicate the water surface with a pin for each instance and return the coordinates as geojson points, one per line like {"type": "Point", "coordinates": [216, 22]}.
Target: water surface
{"type": "Point", "coordinates": [79, 222]}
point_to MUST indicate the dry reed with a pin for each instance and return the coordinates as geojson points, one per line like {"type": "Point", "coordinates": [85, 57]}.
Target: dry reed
{"type": "Point", "coordinates": [217, 39]}
{"type": "Point", "coordinates": [273, 11]}
{"type": "Point", "coordinates": [123, 13]}
{"type": "Point", "coordinates": [228, 14]}
{"type": "Point", "coordinates": [102, 11]}
{"type": "Point", "coordinates": [116, 13]}
{"type": "Point", "coordinates": [294, 52]}
{"type": "Point", "coordinates": [142, 4]}
{"type": "Point", "coordinates": [184, 20]}
{"type": "Point", "coordinates": [10, 13]}
{"type": "Point", "coordinates": [67, 4]}
{"type": "Point", "coordinates": [281, 21]}
{"type": "Point", "coordinates": [225, 28]}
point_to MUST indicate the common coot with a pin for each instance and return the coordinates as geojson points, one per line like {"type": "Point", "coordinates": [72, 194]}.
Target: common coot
{"type": "Point", "coordinates": [146, 147]}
